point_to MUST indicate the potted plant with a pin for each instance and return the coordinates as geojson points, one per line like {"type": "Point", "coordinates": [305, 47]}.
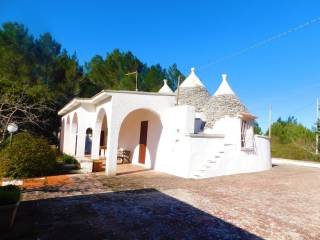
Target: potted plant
{"type": "Point", "coordinates": [9, 203]}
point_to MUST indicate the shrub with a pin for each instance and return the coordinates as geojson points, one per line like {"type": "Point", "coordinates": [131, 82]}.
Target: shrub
{"type": "Point", "coordinates": [291, 151]}
{"type": "Point", "coordinates": [9, 194]}
{"type": "Point", "coordinates": [67, 159]}
{"type": "Point", "coordinates": [27, 156]}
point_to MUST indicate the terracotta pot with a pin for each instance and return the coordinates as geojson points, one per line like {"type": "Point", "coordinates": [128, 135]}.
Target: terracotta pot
{"type": "Point", "coordinates": [7, 215]}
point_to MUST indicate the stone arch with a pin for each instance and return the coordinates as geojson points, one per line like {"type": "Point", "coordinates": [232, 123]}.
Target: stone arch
{"type": "Point", "coordinates": [135, 126]}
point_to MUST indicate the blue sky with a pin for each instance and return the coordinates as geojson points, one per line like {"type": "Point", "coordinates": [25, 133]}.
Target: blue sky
{"type": "Point", "coordinates": [284, 73]}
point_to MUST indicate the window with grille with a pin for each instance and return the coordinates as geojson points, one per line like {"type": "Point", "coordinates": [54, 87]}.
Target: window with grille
{"type": "Point", "coordinates": [247, 134]}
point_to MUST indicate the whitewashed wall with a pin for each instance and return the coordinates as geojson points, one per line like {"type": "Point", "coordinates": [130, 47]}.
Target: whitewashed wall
{"type": "Point", "coordinates": [173, 148]}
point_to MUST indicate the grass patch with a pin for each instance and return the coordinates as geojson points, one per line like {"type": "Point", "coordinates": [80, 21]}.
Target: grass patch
{"type": "Point", "coordinates": [291, 151]}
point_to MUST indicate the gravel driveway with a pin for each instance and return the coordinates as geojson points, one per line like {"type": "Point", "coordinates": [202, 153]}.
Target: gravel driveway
{"type": "Point", "coordinates": [283, 203]}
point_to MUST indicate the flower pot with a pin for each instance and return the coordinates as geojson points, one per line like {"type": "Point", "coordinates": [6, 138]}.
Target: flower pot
{"type": "Point", "coordinates": [7, 215]}
{"type": "Point", "coordinates": [97, 166]}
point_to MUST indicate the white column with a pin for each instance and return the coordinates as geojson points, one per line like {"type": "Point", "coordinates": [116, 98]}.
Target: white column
{"type": "Point", "coordinates": [72, 142]}
{"type": "Point", "coordinates": [67, 140]}
{"type": "Point", "coordinates": [114, 122]}
{"type": "Point", "coordinates": [95, 142]}
{"type": "Point", "coordinates": [81, 142]}
{"type": "Point", "coordinates": [112, 150]}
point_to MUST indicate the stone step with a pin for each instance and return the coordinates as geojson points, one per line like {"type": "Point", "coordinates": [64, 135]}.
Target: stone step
{"type": "Point", "coordinates": [196, 176]}
{"type": "Point", "coordinates": [212, 161]}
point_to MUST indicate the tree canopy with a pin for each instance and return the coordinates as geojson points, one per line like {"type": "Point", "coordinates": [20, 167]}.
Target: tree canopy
{"type": "Point", "coordinates": [47, 73]}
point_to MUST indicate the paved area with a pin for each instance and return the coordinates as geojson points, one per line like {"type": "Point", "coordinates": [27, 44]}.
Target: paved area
{"type": "Point", "coordinates": [281, 161]}
{"type": "Point", "coordinates": [282, 203]}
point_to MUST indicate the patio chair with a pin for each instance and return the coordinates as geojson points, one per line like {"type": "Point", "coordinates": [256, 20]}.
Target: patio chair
{"type": "Point", "coordinates": [123, 156]}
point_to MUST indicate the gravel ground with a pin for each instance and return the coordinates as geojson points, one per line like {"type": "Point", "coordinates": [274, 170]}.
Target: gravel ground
{"type": "Point", "coordinates": [282, 203]}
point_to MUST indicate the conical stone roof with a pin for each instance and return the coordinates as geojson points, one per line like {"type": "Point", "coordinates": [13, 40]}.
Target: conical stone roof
{"type": "Point", "coordinates": [223, 103]}
{"type": "Point", "coordinates": [193, 92]}
{"type": "Point", "coordinates": [165, 88]}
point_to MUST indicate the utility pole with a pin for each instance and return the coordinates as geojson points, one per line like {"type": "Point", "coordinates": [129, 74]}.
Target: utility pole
{"type": "Point", "coordinates": [178, 90]}
{"type": "Point", "coordinates": [270, 120]}
{"type": "Point", "coordinates": [317, 128]}
{"type": "Point", "coordinates": [136, 73]}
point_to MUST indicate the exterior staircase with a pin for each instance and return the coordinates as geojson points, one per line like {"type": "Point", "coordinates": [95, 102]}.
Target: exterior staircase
{"type": "Point", "coordinates": [209, 167]}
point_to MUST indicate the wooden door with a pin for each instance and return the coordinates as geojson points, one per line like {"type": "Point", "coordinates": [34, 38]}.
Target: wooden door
{"type": "Point", "coordinates": [143, 141]}
{"type": "Point", "coordinates": [101, 138]}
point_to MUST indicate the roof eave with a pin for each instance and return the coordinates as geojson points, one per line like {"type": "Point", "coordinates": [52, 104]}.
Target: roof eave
{"type": "Point", "coordinates": [247, 116]}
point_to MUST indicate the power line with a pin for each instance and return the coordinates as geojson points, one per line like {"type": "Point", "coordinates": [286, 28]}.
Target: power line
{"type": "Point", "coordinates": [263, 42]}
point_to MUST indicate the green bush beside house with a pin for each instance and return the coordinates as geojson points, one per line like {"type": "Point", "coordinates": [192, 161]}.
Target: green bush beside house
{"type": "Point", "coordinates": [67, 159]}
{"type": "Point", "coordinates": [27, 156]}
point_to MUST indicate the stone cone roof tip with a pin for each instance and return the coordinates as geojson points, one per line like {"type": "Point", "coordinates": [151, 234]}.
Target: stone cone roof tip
{"type": "Point", "coordinates": [192, 80]}
{"type": "Point", "coordinates": [192, 92]}
{"type": "Point", "coordinates": [165, 88]}
{"type": "Point", "coordinates": [224, 87]}
{"type": "Point", "coordinates": [223, 103]}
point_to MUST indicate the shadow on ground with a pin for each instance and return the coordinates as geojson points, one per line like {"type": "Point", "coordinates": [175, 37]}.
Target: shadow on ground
{"type": "Point", "coordinates": [136, 214]}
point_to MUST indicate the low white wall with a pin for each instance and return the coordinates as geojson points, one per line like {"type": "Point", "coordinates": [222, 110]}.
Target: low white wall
{"type": "Point", "coordinates": [204, 150]}
{"type": "Point", "coordinates": [243, 161]}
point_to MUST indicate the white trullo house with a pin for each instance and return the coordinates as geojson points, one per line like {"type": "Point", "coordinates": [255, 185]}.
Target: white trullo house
{"type": "Point", "coordinates": [187, 133]}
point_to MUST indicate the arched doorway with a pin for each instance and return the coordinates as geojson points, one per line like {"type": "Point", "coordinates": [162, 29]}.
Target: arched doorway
{"type": "Point", "coordinates": [88, 142]}
{"type": "Point", "coordinates": [101, 133]}
{"type": "Point", "coordinates": [74, 134]}
{"type": "Point", "coordinates": [140, 134]}
{"type": "Point", "coordinates": [67, 136]}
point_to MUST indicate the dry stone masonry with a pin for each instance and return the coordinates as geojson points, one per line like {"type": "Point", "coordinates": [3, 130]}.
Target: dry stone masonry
{"type": "Point", "coordinates": [220, 106]}
{"type": "Point", "coordinates": [194, 96]}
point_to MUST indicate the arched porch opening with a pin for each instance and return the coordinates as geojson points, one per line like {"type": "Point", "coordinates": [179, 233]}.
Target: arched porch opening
{"type": "Point", "coordinates": [139, 135]}
{"type": "Point", "coordinates": [88, 143]}
{"type": "Point", "coordinates": [101, 133]}
{"type": "Point", "coordinates": [74, 134]}
{"type": "Point", "coordinates": [67, 136]}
